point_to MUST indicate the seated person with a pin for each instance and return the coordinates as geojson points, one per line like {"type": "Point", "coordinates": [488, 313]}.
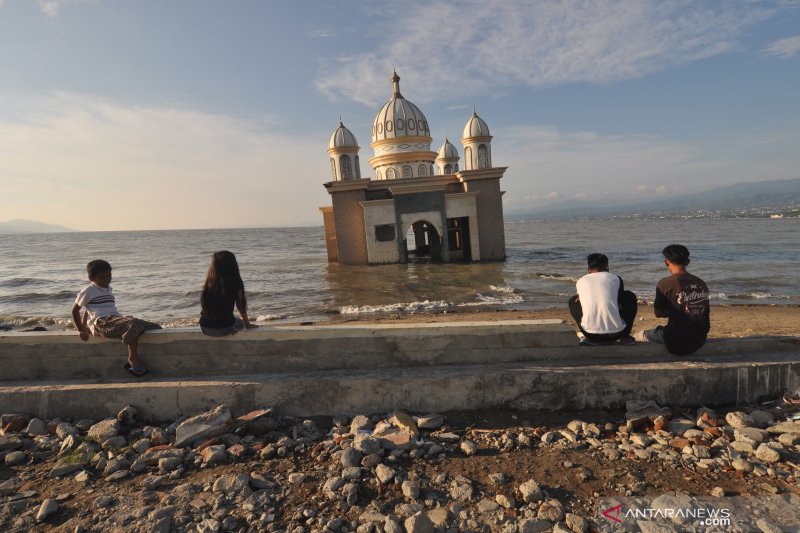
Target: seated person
{"type": "Point", "coordinates": [223, 290]}
{"type": "Point", "coordinates": [683, 299]}
{"type": "Point", "coordinates": [603, 309]}
{"type": "Point", "coordinates": [103, 319]}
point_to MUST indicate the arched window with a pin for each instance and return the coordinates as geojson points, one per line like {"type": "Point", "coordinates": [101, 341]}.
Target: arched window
{"type": "Point", "coordinates": [422, 171]}
{"type": "Point", "coordinates": [358, 169]}
{"type": "Point", "coordinates": [468, 157]}
{"type": "Point", "coordinates": [346, 169]}
{"type": "Point", "coordinates": [333, 169]}
{"type": "Point", "coordinates": [431, 169]}
{"type": "Point", "coordinates": [483, 156]}
{"type": "Point", "coordinates": [455, 168]}
{"type": "Point", "coordinates": [407, 172]}
{"type": "Point", "coordinates": [448, 169]}
{"type": "Point", "coordinates": [379, 175]}
{"type": "Point", "coordinates": [389, 173]}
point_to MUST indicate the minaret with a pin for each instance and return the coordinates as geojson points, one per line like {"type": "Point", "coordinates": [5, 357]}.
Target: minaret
{"type": "Point", "coordinates": [447, 159]}
{"type": "Point", "coordinates": [477, 143]}
{"type": "Point", "coordinates": [343, 149]}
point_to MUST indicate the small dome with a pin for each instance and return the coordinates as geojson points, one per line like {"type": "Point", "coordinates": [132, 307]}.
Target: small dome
{"type": "Point", "coordinates": [342, 138]}
{"type": "Point", "coordinates": [475, 127]}
{"type": "Point", "coordinates": [447, 151]}
{"type": "Point", "coordinates": [399, 117]}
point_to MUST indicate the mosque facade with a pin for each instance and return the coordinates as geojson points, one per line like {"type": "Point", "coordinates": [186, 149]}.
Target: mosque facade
{"type": "Point", "coordinates": [419, 205]}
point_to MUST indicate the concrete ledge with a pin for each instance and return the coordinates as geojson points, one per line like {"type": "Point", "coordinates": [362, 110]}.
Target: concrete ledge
{"type": "Point", "coordinates": [689, 382]}
{"type": "Point", "coordinates": [189, 353]}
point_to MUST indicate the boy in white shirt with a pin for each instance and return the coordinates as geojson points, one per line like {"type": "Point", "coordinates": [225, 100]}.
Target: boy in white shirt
{"type": "Point", "coordinates": [603, 309]}
{"type": "Point", "coordinates": [103, 319]}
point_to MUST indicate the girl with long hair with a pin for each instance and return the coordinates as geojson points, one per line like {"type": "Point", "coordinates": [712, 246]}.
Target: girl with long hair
{"type": "Point", "coordinates": [223, 290]}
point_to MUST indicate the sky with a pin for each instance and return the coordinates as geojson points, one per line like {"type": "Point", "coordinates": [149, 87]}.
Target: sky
{"type": "Point", "coordinates": [145, 114]}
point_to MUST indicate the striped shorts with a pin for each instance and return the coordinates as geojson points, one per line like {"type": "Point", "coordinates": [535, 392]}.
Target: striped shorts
{"type": "Point", "coordinates": [126, 328]}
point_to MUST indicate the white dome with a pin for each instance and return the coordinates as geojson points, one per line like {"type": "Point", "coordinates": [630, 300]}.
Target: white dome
{"type": "Point", "coordinates": [447, 150]}
{"type": "Point", "coordinates": [399, 117]}
{"type": "Point", "coordinates": [342, 138]}
{"type": "Point", "coordinates": [475, 127]}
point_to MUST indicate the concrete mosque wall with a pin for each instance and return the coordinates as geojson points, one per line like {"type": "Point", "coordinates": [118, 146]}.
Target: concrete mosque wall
{"type": "Point", "coordinates": [419, 206]}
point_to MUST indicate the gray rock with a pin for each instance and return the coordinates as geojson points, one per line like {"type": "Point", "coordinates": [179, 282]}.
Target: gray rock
{"type": "Point", "coordinates": [350, 493]}
{"type": "Point", "coordinates": [360, 423]}
{"type": "Point", "coordinates": [168, 464]}
{"type": "Point", "coordinates": [63, 470]}
{"type": "Point", "coordinates": [36, 426]}
{"type": "Point", "coordinates": [576, 523]}
{"type": "Point", "coordinates": [431, 421]}
{"type": "Point", "coordinates": [679, 426]}
{"type": "Point", "coordinates": [372, 460]}
{"type": "Point", "coordinates": [536, 525]}
{"type": "Point", "coordinates": [767, 527]}
{"type": "Point", "coordinates": [205, 425]}
{"type": "Point", "coordinates": [461, 492]}
{"type": "Point", "coordinates": [9, 486]}
{"type": "Point", "coordinates": [762, 418]}
{"type": "Point", "coordinates": [551, 510]}
{"type": "Point", "coordinates": [330, 486]}
{"type": "Point", "coordinates": [469, 447]}
{"type": "Point", "coordinates": [750, 435]}
{"type": "Point", "coordinates": [419, 523]}
{"type": "Point", "coordinates": [487, 506]}
{"type": "Point", "coordinates": [128, 415]}
{"type": "Point", "coordinates": [64, 429]}
{"type": "Point", "coordinates": [116, 464]}
{"type": "Point", "coordinates": [119, 475]}
{"type": "Point", "coordinates": [47, 508]}
{"type": "Point", "coordinates": [366, 445]}
{"type": "Point", "coordinates": [739, 420]}
{"type": "Point", "coordinates": [507, 502]}
{"type": "Point", "coordinates": [114, 443]}
{"type": "Point", "coordinates": [350, 457]}
{"type": "Point", "coordinates": [295, 478]}
{"type": "Point", "coordinates": [159, 437]}
{"type": "Point", "coordinates": [384, 473]}
{"type": "Point", "coordinates": [410, 489]}
{"type": "Point", "coordinates": [104, 430]}
{"type": "Point", "coordinates": [10, 443]}
{"type": "Point", "coordinates": [530, 491]}
{"type": "Point", "coordinates": [351, 473]}
{"type": "Point", "coordinates": [718, 492]}
{"type": "Point", "coordinates": [741, 464]}
{"type": "Point", "coordinates": [14, 458]}
{"type": "Point", "coordinates": [768, 454]}
{"type": "Point", "coordinates": [231, 483]}
{"type": "Point", "coordinates": [209, 525]}
{"type": "Point", "coordinates": [141, 445]}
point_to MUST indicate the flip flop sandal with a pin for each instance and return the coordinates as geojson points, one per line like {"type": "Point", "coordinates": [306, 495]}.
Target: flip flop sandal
{"type": "Point", "coordinates": [137, 371]}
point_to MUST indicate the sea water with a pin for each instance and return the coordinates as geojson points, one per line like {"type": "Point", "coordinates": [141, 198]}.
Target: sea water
{"type": "Point", "coordinates": [158, 275]}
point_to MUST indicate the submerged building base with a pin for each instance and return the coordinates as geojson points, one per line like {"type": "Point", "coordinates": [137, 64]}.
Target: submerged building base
{"type": "Point", "coordinates": [329, 370]}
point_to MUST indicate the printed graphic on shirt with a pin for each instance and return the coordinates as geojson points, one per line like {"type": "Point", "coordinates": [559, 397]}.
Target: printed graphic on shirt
{"type": "Point", "coordinates": [693, 299]}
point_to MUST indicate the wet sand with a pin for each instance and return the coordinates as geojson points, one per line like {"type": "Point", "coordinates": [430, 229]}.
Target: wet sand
{"type": "Point", "coordinates": [727, 321]}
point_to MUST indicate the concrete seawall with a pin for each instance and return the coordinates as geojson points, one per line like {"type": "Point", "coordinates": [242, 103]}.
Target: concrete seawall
{"type": "Point", "coordinates": [340, 369]}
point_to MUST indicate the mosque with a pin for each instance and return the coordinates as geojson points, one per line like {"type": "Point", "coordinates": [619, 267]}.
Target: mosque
{"type": "Point", "coordinates": [419, 205]}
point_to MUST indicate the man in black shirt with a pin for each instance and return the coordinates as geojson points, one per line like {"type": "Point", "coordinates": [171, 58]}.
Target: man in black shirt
{"type": "Point", "coordinates": [683, 299]}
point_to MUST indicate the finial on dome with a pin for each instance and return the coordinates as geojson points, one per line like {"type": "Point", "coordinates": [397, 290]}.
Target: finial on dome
{"type": "Point", "coordinates": [473, 111]}
{"type": "Point", "coordinates": [396, 84]}
{"type": "Point", "coordinates": [340, 121]}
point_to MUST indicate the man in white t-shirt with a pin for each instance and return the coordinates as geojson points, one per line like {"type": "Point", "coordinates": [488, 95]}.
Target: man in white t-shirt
{"type": "Point", "coordinates": [603, 309]}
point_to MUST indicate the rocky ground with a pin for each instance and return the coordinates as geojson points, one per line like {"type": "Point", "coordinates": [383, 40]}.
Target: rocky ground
{"type": "Point", "coordinates": [464, 471]}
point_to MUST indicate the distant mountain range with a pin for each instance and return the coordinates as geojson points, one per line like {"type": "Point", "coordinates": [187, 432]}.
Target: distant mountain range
{"type": "Point", "coordinates": [31, 226]}
{"type": "Point", "coordinates": [769, 195]}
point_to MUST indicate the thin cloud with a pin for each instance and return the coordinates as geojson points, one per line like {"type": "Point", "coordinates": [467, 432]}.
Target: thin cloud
{"type": "Point", "coordinates": [51, 7]}
{"type": "Point", "coordinates": [784, 48]}
{"type": "Point", "coordinates": [321, 34]}
{"type": "Point", "coordinates": [486, 45]}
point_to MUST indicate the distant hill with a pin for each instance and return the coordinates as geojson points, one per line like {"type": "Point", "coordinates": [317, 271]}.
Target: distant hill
{"type": "Point", "coordinates": [739, 196]}
{"type": "Point", "coordinates": [31, 226]}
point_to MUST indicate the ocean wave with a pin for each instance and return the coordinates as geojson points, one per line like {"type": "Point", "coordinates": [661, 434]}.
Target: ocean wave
{"type": "Point", "coordinates": [19, 282]}
{"type": "Point", "coordinates": [501, 296]}
{"type": "Point", "coordinates": [554, 276]}
{"type": "Point", "coordinates": [757, 295]}
{"type": "Point", "coordinates": [270, 317]}
{"type": "Point", "coordinates": [29, 297]}
{"type": "Point", "coordinates": [20, 323]}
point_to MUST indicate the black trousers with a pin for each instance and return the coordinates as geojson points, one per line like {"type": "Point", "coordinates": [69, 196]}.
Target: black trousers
{"type": "Point", "coordinates": [627, 311]}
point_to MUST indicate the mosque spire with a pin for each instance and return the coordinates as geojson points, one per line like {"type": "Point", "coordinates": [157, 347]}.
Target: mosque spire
{"type": "Point", "coordinates": [396, 84]}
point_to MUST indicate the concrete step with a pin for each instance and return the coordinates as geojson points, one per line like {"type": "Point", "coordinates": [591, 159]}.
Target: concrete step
{"type": "Point", "coordinates": [187, 353]}
{"type": "Point", "coordinates": [717, 379]}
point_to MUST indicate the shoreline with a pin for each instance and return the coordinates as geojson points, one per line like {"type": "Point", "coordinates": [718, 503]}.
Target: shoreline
{"type": "Point", "coordinates": [727, 321]}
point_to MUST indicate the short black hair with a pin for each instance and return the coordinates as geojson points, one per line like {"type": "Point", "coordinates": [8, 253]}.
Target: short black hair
{"type": "Point", "coordinates": [97, 266]}
{"type": "Point", "coordinates": [676, 254]}
{"type": "Point", "coordinates": [597, 261]}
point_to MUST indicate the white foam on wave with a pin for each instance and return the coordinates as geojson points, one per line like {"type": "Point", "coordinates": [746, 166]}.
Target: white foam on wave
{"type": "Point", "coordinates": [507, 296]}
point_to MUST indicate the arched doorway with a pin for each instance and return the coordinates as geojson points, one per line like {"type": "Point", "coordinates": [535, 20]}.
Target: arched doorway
{"type": "Point", "coordinates": [423, 242]}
